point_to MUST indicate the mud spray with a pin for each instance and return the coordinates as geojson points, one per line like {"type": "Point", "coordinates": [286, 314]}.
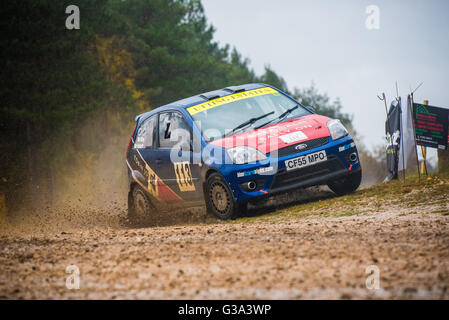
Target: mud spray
{"type": "Point", "coordinates": [90, 186]}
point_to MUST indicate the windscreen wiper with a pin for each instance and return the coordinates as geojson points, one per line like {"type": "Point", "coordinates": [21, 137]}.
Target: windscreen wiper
{"type": "Point", "coordinates": [250, 121]}
{"type": "Point", "coordinates": [284, 114]}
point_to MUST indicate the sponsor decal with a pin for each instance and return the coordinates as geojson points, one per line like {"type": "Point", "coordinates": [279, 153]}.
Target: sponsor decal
{"type": "Point", "coordinates": [148, 173]}
{"type": "Point", "coordinates": [230, 98]}
{"type": "Point", "coordinates": [155, 186]}
{"type": "Point", "coordinates": [293, 137]}
{"type": "Point", "coordinates": [184, 176]}
{"type": "Point", "coordinates": [346, 147]}
{"type": "Point", "coordinates": [152, 181]}
{"type": "Point", "coordinates": [140, 165]}
{"type": "Point", "coordinates": [139, 142]}
{"type": "Point", "coordinates": [263, 170]}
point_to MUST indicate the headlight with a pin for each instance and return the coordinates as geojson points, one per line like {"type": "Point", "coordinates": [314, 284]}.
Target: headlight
{"type": "Point", "coordinates": [336, 129]}
{"type": "Point", "coordinates": [244, 154]}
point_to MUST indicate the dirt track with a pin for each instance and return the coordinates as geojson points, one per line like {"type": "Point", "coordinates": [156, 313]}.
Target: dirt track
{"type": "Point", "coordinates": [274, 257]}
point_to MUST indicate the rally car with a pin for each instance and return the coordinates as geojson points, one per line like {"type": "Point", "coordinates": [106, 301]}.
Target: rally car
{"type": "Point", "coordinates": [232, 146]}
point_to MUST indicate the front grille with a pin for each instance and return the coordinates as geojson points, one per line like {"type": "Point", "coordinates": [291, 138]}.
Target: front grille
{"type": "Point", "coordinates": [285, 178]}
{"type": "Point", "coordinates": [306, 145]}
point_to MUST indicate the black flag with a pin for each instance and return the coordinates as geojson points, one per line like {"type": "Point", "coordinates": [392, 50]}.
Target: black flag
{"type": "Point", "coordinates": [393, 135]}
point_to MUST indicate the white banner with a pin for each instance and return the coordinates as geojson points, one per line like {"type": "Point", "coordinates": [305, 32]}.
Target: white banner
{"type": "Point", "coordinates": [407, 147]}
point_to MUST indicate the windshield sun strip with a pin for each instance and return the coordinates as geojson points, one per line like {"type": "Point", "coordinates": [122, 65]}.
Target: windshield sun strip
{"type": "Point", "coordinates": [230, 98]}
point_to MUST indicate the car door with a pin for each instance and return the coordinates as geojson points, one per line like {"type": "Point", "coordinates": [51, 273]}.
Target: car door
{"type": "Point", "coordinates": [174, 156]}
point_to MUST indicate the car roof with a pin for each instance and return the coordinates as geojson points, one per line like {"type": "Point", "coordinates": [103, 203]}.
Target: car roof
{"type": "Point", "coordinates": [203, 97]}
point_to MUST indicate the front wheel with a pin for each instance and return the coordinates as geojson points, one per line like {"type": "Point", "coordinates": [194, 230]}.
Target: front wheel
{"type": "Point", "coordinates": [347, 184]}
{"type": "Point", "coordinates": [219, 199]}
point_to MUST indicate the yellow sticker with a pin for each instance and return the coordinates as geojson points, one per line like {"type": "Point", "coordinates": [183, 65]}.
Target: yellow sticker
{"type": "Point", "coordinates": [184, 176]}
{"type": "Point", "coordinates": [152, 182]}
{"type": "Point", "coordinates": [230, 98]}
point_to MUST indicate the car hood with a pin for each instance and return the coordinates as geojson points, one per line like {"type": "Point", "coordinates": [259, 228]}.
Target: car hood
{"type": "Point", "coordinates": [280, 135]}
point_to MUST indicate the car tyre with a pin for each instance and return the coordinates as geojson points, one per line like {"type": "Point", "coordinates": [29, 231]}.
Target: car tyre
{"type": "Point", "coordinates": [346, 184]}
{"type": "Point", "coordinates": [219, 199]}
{"type": "Point", "coordinates": [139, 206]}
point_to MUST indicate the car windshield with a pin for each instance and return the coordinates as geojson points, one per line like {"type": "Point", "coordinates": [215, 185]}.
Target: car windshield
{"type": "Point", "coordinates": [247, 113]}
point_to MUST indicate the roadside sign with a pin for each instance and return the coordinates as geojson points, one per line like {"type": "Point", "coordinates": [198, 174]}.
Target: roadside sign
{"type": "Point", "coordinates": [431, 126]}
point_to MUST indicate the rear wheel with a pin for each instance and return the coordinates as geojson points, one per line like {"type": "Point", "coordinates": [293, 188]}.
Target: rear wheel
{"type": "Point", "coordinates": [139, 206]}
{"type": "Point", "coordinates": [219, 199]}
{"type": "Point", "coordinates": [347, 184]}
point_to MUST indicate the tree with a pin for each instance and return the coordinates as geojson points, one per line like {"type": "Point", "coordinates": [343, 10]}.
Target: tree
{"type": "Point", "coordinates": [322, 104]}
{"type": "Point", "coordinates": [271, 77]}
{"type": "Point", "coordinates": [49, 81]}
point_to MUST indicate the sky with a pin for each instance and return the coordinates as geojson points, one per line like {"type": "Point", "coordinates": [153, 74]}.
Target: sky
{"type": "Point", "coordinates": [327, 42]}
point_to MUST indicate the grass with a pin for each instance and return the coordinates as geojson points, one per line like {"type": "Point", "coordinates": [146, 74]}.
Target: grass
{"type": "Point", "coordinates": [413, 193]}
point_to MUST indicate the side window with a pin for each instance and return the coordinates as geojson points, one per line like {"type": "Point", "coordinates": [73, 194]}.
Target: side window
{"type": "Point", "coordinates": [173, 131]}
{"type": "Point", "coordinates": [146, 133]}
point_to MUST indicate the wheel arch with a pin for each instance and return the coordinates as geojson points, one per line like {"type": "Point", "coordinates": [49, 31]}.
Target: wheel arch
{"type": "Point", "coordinates": [205, 174]}
{"type": "Point", "coordinates": [132, 185]}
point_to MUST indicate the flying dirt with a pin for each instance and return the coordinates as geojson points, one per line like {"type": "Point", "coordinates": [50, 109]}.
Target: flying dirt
{"type": "Point", "coordinates": [315, 246]}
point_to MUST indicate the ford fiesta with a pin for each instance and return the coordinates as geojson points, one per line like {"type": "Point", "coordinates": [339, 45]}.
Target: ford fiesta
{"type": "Point", "coordinates": [232, 146]}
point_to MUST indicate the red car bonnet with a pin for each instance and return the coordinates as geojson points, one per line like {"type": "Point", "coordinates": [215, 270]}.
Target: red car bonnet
{"type": "Point", "coordinates": [274, 137]}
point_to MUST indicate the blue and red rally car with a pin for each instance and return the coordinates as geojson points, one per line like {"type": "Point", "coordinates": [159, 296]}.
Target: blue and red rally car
{"type": "Point", "coordinates": [232, 146]}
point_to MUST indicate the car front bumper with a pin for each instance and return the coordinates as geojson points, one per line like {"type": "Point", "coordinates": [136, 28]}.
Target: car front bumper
{"type": "Point", "coordinates": [271, 176]}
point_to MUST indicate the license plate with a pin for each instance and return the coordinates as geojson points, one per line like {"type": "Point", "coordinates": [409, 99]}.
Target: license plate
{"type": "Point", "coordinates": [304, 161]}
